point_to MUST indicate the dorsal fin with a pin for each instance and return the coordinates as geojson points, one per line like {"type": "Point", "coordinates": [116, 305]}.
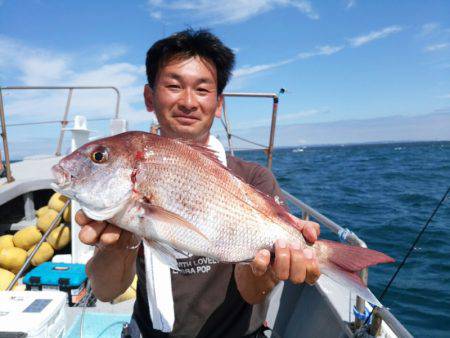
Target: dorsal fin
{"type": "Point", "coordinates": [204, 150]}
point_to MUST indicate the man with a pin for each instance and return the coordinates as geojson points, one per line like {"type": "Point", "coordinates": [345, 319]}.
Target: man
{"type": "Point", "coordinates": [187, 73]}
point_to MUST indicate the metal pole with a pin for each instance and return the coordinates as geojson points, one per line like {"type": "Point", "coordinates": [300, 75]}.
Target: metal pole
{"type": "Point", "coordinates": [28, 205]}
{"type": "Point", "coordinates": [9, 177]}
{"type": "Point", "coordinates": [375, 326]}
{"type": "Point", "coordinates": [227, 127]}
{"type": "Point", "coordinates": [117, 102]}
{"type": "Point", "coordinates": [36, 248]}
{"type": "Point", "coordinates": [305, 216]}
{"type": "Point", "coordinates": [272, 133]}
{"type": "Point", "coordinates": [351, 239]}
{"type": "Point", "coordinates": [64, 123]}
{"type": "Point", "coordinates": [392, 322]}
{"type": "Point", "coordinates": [360, 302]}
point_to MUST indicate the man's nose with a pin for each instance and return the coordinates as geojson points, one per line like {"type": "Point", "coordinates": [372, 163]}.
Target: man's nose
{"type": "Point", "coordinates": [188, 102]}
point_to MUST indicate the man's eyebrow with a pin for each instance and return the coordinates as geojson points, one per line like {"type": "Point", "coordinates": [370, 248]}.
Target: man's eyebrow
{"type": "Point", "coordinates": [173, 76]}
{"type": "Point", "coordinates": [179, 78]}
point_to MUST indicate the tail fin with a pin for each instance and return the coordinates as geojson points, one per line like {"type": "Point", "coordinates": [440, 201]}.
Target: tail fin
{"type": "Point", "coordinates": [344, 261]}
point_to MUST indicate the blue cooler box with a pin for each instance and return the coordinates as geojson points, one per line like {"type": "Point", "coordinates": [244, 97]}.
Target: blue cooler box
{"type": "Point", "coordinates": [67, 277]}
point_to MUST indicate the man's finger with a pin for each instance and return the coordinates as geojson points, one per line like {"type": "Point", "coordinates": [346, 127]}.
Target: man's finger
{"type": "Point", "coordinates": [81, 218]}
{"type": "Point", "coordinates": [312, 267]}
{"type": "Point", "coordinates": [298, 265]}
{"type": "Point", "coordinates": [110, 235]}
{"type": "Point", "coordinates": [281, 265]}
{"type": "Point", "coordinates": [260, 263]}
{"type": "Point", "coordinates": [316, 227]}
{"type": "Point", "coordinates": [309, 232]}
{"type": "Point", "coordinates": [90, 233]}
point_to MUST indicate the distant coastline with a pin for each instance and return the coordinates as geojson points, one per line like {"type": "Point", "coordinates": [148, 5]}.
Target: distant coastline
{"type": "Point", "coordinates": [434, 127]}
{"type": "Point", "coordinates": [393, 143]}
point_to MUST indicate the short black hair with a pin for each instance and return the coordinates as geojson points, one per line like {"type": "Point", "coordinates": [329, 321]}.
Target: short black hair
{"type": "Point", "coordinates": [187, 44]}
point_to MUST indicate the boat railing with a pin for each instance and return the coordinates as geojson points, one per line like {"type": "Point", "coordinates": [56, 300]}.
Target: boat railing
{"type": "Point", "coordinates": [345, 235]}
{"type": "Point", "coordinates": [64, 121]}
{"type": "Point", "coordinates": [227, 125]}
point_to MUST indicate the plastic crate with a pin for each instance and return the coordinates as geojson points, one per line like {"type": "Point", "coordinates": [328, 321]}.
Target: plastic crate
{"type": "Point", "coordinates": [70, 278]}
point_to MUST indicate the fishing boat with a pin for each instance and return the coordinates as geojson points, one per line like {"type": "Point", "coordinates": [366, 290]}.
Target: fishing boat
{"type": "Point", "coordinates": [325, 309]}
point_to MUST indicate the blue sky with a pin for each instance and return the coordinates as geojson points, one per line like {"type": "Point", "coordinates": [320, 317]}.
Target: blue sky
{"type": "Point", "coordinates": [338, 60]}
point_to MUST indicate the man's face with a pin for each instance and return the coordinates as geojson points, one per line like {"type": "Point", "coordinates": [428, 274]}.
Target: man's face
{"type": "Point", "coordinates": [184, 98]}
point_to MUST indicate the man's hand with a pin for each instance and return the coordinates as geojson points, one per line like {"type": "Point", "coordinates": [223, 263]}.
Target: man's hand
{"type": "Point", "coordinates": [258, 278]}
{"type": "Point", "coordinates": [291, 263]}
{"type": "Point", "coordinates": [112, 268]}
{"type": "Point", "coordinates": [103, 234]}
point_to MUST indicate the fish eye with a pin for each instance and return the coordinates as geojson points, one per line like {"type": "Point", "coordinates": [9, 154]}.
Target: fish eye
{"type": "Point", "coordinates": [99, 155]}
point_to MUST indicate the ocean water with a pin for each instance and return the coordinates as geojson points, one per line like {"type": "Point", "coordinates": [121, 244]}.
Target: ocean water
{"type": "Point", "coordinates": [384, 193]}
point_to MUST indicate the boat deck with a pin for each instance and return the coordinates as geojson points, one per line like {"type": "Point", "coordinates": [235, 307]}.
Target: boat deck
{"type": "Point", "coordinates": [31, 174]}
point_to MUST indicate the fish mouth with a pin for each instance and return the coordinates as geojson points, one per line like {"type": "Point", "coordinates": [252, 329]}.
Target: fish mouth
{"type": "Point", "coordinates": [63, 179]}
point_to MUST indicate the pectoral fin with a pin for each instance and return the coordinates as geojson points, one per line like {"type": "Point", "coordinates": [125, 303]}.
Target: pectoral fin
{"type": "Point", "coordinates": [158, 214]}
{"type": "Point", "coordinates": [165, 253]}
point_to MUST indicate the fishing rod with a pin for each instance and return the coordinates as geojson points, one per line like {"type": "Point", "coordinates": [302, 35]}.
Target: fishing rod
{"type": "Point", "coordinates": [410, 250]}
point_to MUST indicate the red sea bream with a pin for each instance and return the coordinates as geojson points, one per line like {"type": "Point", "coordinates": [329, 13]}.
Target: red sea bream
{"type": "Point", "coordinates": [177, 196]}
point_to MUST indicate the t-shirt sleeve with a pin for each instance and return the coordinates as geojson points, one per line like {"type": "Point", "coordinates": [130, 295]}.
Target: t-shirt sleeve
{"type": "Point", "coordinates": [265, 181]}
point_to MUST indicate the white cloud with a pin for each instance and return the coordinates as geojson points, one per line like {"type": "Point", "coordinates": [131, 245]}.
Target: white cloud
{"type": "Point", "coordinates": [156, 15]}
{"type": "Point", "coordinates": [375, 35]}
{"type": "Point", "coordinates": [284, 118]}
{"type": "Point", "coordinates": [302, 114]}
{"type": "Point", "coordinates": [324, 50]}
{"type": "Point", "coordinates": [36, 65]}
{"type": "Point", "coordinates": [249, 70]}
{"type": "Point", "coordinates": [215, 12]}
{"type": "Point", "coordinates": [27, 65]}
{"type": "Point", "coordinates": [112, 52]}
{"type": "Point", "coordinates": [436, 47]}
{"type": "Point", "coordinates": [321, 50]}
{"type": "Point", "coordinates": [350, 3]}
{"type": "Point", "coordinates": [428, 28]}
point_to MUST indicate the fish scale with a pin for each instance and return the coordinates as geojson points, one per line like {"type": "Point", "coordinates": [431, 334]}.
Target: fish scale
{"type": "Point", "coordinates": [245, 233]}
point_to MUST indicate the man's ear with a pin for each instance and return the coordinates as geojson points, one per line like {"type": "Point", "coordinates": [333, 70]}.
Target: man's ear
{"type": "Point", "coordinates": [148, 98]}
{"type": "Point", "coordinates": [218, 112]}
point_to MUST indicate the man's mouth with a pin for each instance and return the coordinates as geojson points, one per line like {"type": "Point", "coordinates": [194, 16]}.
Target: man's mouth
{"type": "Point", "coordinates": [185, 119]}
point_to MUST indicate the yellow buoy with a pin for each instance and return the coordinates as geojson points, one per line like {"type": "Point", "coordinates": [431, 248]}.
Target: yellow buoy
{"type": "Point", "coordinates": [6, 277]}
{"type": "Point", "coordinates": [12, 259]}
{"type": "Point", "coordinates": [44, 254]}
{"type": "Point", "coordinates": [59, 237]}
{"type": "Point", "coordinates": [57, 201]}
{"type": "Point", "coordinates": [19, 287]}
{"type": "Point", "coordinates": [129, 293]}
{"type": "Point", "coordinates": [66, 214]}
{"type": "Point", "coordinates": [6, 241]}
{"type": "Point", "coordinates": [41, 211]}
{"type": "Point", "coordinates": [27, 237]}
{"type": "Point", "coordinates": [45, 220]}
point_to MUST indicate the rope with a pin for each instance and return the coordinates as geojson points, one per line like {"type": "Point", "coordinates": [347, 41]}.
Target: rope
{"type": "Point", "coordinates": [248, 141]}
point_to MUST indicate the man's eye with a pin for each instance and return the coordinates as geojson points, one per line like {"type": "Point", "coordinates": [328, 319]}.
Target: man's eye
{"type": "Point", "coordinates": [173, 86]}
{"type": "Point", "coordinates": [203, 90]}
